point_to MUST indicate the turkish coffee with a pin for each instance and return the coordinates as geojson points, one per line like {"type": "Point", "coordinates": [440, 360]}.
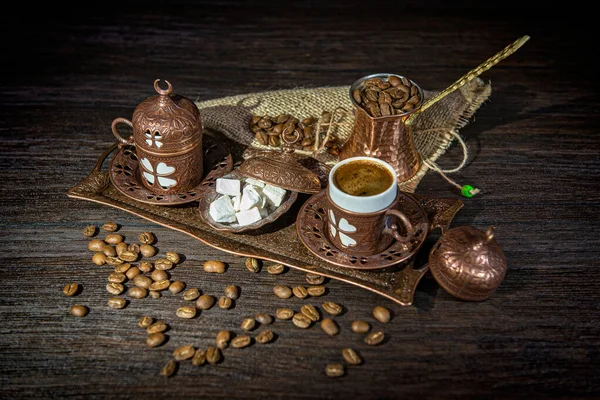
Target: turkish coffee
{"type": "Point", "coordinates": [363, 178]}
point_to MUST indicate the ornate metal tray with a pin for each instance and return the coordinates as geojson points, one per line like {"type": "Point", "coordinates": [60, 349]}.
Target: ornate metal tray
{"type": "Point", "coordinates": [276, 242]}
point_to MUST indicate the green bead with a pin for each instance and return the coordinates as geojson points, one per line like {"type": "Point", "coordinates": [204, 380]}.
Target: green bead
{"type": "Point", "coordinates": [466, 191]}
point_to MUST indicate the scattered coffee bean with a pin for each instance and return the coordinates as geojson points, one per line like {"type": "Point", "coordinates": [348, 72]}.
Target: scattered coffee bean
{"type": "Point", "coordinates": [159, 275]}
{"type": "Point", "coordinates": [169, 368]}
{"type": "Point", "coordinates": [117, 302]}
{"type": "Point", "coordinates": [147, 238]}
{"type": "Point", "coordinates": [225, 302]}
{"type": "Point", "coordinates": [301, 320]}
{"type": "Point", "coordinates": [110, 227]}
{"type": "Point", "coordinates": [330, 327]}
{"type": "Point", "coordinates": [158, 326]}
{"type": "Point", "coordinates": [214, 266]}
{"type": "Point", "coordinates": [205, 302]}
{"type": "Point", "coordinates": [79, 310]}
{"type": "Point", "coordinates": [145, 321]}
{"type": "Point", "coordinates": [265, 337]}
{"type": "Point", "coordinates": [283, 292]}
{"type": "Point", "coordinates": [134, 248]}
{"type": "Point", "coordinates": [145, 266]}
{"type": "Point", "coordinates": [160, 285]}
{"type": "Point", "coordinates": [232, 291]}
{"type": "Point", "coordinates": [184, 352]}
{"type": "Point", "coordinates": [223, 338]}
{"type": "Point", "coordinates": [284, 313]}
{"type": "Point", "coordinates": [248, 324]}
{"type": "Point", "coordinates": [142, 281]}
{"type": "Point", "coordinates": [335, 370]}
{"type": "Point", "coordinates": [314, 279]}
{"type": "Point", "coordinates": [332, 308]}
{"type": "Point", "coordinates": [137, 292]}
{"type": "Point", "coordinates": [99, 258]}
{"type": "Point", "coordinates": [117, 277]}
{"type": "Point", "coordinates": [71, 289]}
{"type": "Point", "coordinates": [129, 256]}
{"type": "Point", "coordinates": [154, 294]}
{"type": "Point", "coordinates": [186, 312]}
{"type": "Point", "coordinates": [300, 292]}
{"type": "Point", "coordinates": [381, 314]}
{"type": "Point", "coordinates": [109, 251]}
{"type": "Point", "coordinates": [96, 245]}
{"type": "Point", "coordinates": [252, 264]}
{"type": "Point", "coordinates": [311, 312]}
{"type": "Point", "coordinates": [360, 327]}
{"type": "Point", "coordinates": [113, 238]}
{"type": "Point", "coordinates": [264, 319]}
{"type": "Point", "coordinates": [114, 288]}
{"type": "Point", "coordinates": [240, 342]}
{"type": "Point", "coordinates": [147, 250]}
{"type": "Point", "coordinates": [316, 291]}
{"type": "Point", "coordinates": [199, 357]}
{"type": "Point", "coordinates": [213, 355]}
{"type": "Point", "coordinates": [351, 357]}
{"type": "Point", "coordinates": [123, 268]}
{"type": "Point", "coordinates": [90, 231]}
{"type": "Point", "coordinates": [132, 272]}
{"type": "Point", "coordinates": [374, 338]}
{"type": "Point", "coordinates": [191, 294]}
{"type": "Point", "coordinates": [275, 269]}
{"type": "Point", "coordinates": [163, 264]}
{"type": "Point", "coordinates": [121, 247]}
{"type": "Point", "coordinates": [114, 261]}
{"type": "Point", "coordinates": [172, 256]}
{"type": "Point", "coordinates": [176, 287]}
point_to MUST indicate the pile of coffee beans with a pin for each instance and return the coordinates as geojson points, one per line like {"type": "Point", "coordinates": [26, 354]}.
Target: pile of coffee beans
{"type": "Point", "coordinates": [382, 97]}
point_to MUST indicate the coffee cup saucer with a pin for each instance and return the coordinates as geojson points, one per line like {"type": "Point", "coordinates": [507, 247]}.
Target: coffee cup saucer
{"type": "Point", "coordinates": [311, 227]}
{"type": "Point", "coordinates": [125, 174]}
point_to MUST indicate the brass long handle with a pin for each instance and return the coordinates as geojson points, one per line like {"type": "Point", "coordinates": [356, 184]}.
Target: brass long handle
{"type": "Point", "coordinates": [489, 63]}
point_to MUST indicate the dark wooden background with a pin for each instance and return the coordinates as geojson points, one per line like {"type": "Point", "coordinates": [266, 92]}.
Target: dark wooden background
{"type": "Point", "coordinates": [66, 74]}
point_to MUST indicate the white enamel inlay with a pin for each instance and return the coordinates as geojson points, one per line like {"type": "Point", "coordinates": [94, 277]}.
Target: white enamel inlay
{"type": "Point", "coordinates": [149, 177]}
{"type": "Point", "coordinates": [347, 240]}
{"type": "Point", "coordinates": [331, 216]}
{"type": "Point", "coordinates": [147, 165]}
{"type": "Point", "coordinates": [345, 226]}
{"type": "Point", "coordinates": [149, 142]}
{"type": "Point", "coordinates": [332, 230]}
{"type": "Point", "coordinates": [164, 169]}
{"type": "Point", "coordinates": [159, 144]}
{"type": "Point", "coordinates": [166, 182]}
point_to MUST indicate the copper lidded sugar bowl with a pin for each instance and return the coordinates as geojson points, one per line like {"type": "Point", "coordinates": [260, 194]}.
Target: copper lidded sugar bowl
{"type": "Point", "coordinates": [167, 135]}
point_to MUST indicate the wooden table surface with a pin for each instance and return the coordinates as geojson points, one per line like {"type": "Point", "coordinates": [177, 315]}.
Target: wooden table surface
{"type": "Point", "coordinates": [534, 152]}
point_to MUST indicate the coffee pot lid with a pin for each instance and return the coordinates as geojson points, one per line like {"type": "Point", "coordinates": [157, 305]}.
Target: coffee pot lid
{"type": "Point", "coordinates": [468, 263]}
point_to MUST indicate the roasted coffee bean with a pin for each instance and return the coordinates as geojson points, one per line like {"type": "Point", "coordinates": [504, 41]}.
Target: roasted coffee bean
{"type": "Point", "coordinates": [213, 355]}
{"type": "Point", "coordinates": [330, 327]}
{"type": "Point", "coordinates": [145, 266]}
{"type": "Point", "coordinates": [300, 292]}
{"type": "Point", "coordinates": [360, 327]}
{"type": "Point", "coordinates": [123, 268]}
{"type": "Point", "coordinates": [314, 279]}
{"type": "Point", "coordinates": [79, 310]}
{"type": "Point", "coordinates": [232, 291]}
{"type": "Point", "coordinates": [117, 302]}
{"type": "Point", "coordinates": [129, 256]}
{"type": "Point", "coordinates": [223, 338]}
{"type": "Point", "coordinates": [254, 120]}
{"type": "Point", "coordinates": [160, 285]}
{"type": "Point", "coordinates": [265, 337]}
{"type": "Point", "coordinates": [394, 80]}
{"type": "Point", "coordinates": [169, 368]}
{"type": "Point", "coordinates": [147, 250]}
{"type": "Point", "coordinates": [351, 357]}
{"type": "Point", "coordinates": [176, 287]}
{"type": "Point", "coordinates": [264, 319]}
{"type": "Point", "coordinates": [110, 227]}
{"type": "Point", "coordinates": [114, 261]}
{"type": "Point", "coordinates": [273, 141]}
{"type": "Point", "coordinates": [252, 264]}
{"type": "Point", "coordinates": [282, 118]}
{"type": "Point", "coordinates": [113, 238]}
{"type": "Point", "coordinates": [134, 248]}
{"type": "Point", "coordinates": [332, 308]}
{"type": "Point", "coordinates": [240, 342]}
{"type": "Point", "coordinates": [132, 272]}
{"type": "Point", "coordinates": [142, 281]}
{"type": "Point", "coordinates": [283, 292]}
{"type": "Point", "coordinates": [114, 288]}
{"type": "Point", "coordinates": [154, 294]}
{"type": "Point", "coordinates": [145, 321]}
{"type": "Point", "coordinates": [137, 292]}
{"type": "Point", "coordinates": [404, 88]}
{"type": "Point", "coordinates": [275, 269]}
{"type": "Point", "coordinates": [162, 264]}
{"type": "Point", "coordinates": [264, 123]}
{"type": "Point", "coordinates": [248, 324]}
{"type": "Point", "coordinates": [386, 110]}
{"type": "Point", "coordinates": [109, 251]}
{"type": "Point", "coordinates": [96, 245]}
{"type": "Point", "coordinates": [374, 338]}
{"type": "Point", "coordinates": [99, 258]}
{"type": "Point", "coordinates": [261, 137]}
{"type": "Point", "coordinates": [199, 357]}
{"type": "Point", "coordinates": [159, 275]}
{"type": "Point", "coordinates": [184, 352]}
{"type": "Point", "coordinates": [307, 142]}
{"type": "Point", "coordinates": [173, 257]}
{"type": "Point", "coordinates": [284, 313]}
{"type": "Point", "coordinates": [158, 326]}
{"type": "Point", "coordinates": [191, 294]}
{"type": "Point", "coordinates": [214, 266]}
{"type": "Point", "coordinates": [301, 320]}
{"type": "Point", "coordinates": [71, 289]}
{"type": "Point", "coordinates": [121, 247]}
{"type": "Point", "coordinates": [90, 231]}
{"type": "Point", "coordinates": [311, 312]}
{"type": "Point", "coordinates": [205, 302]}
{"type": "Point", "coordinates": [335, 370]}
{"type": "Point", "coordinates": [147, 238]}
{"type": "Point", "coordinates": [186, 312]}
{"type": "Point", "coordinates": [155, 339]}
{"type": "Point", "coordinates": [117, 277]}
{"type": "Point", "coordinates": [225, 302]}
{"type": "Point", "coordinates": [316, 291]}
{"type": "Point", "coordinates": [382, 314]}
{"type": "Point", "coordinates": [357, 96]}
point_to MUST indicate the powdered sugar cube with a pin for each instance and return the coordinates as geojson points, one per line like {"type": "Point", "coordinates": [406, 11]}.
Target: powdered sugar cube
{"type": "Point", "coordinates": [247, 217]}
{"type": "Point", "coordinates": [255, 182]}
{"type": "Point", "coordinates": [230, 187]}
{"type": "Point", "coordinates": [274, 194]}
{"type": "Point", "coordinates": [236, 202]}
{"type": "Point", "coordinates": [250, 198]}
{"type": "Point", "coordinates": [221, 210]}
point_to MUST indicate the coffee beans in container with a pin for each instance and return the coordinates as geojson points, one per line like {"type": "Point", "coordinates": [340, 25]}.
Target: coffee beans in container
{"type": "Point", "coordinates": [386, 96]}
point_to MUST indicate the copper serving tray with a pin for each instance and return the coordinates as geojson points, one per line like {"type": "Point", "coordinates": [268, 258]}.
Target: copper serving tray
{"type": "Point", "coordinates": [277, 242]}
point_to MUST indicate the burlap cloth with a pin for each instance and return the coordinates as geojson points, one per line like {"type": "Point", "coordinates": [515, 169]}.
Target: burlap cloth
{"type": "Point", "coordinates": [434, 130]}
